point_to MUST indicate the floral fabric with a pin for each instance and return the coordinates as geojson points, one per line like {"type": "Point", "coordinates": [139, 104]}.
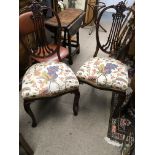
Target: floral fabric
{"type": "Point", "coordinates": [48, 79]}
{"type": "Point", "coordinates": [104, 73]}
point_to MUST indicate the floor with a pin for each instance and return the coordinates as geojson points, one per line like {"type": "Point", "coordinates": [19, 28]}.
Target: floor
{"type": "Point", "coordinates": [58, 131]}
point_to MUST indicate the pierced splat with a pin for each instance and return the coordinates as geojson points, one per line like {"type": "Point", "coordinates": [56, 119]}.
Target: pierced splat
{"type": "Point", "coordinates": [114, 32]}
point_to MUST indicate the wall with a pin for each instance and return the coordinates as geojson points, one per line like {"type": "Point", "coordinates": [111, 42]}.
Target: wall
{"type": "Point", "coordinates": [79, 4]}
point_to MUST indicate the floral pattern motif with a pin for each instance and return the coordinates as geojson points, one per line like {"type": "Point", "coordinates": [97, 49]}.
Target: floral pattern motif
{"type": "Point", "coordinates": [104, 73]}
{"type": "Point", "coordinates": [48, 79]}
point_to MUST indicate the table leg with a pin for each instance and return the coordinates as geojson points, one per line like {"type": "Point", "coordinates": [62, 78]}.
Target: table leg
{"type": "Point", "coordinates": [78, 44]}
{"type": "Point", "coordinates": [55, 36]}
{"type": "Point", "coordinates": [64, 40]}
{"type": "Point", "coordinates": [69, 48]}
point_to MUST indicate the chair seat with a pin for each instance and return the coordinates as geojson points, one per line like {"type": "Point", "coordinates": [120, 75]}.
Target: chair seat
{"type": "Point", "coordinates": [48, 79]}
{"type": "Point", "coordinates": [104, 73]}
{"type": "Point", "coordinates": [63, 54]}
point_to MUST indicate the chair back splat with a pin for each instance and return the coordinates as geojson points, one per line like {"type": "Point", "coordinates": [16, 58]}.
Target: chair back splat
{"type": "Point", "coordinates": [31, 26]}
{"type": "Point", "coordinates": [119, 18]}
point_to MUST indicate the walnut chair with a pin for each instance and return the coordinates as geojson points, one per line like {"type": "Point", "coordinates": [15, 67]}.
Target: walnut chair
{"type": "Point", "coordinates": [49, 78]}
{"type": "Point", "coordinates": [108, 73]}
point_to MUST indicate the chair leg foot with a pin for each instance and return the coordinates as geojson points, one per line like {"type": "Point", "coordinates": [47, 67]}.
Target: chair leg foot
{"type": "Point", "coordinates": [30, 113]}
{"type": "Point", "coordinates": [76, 102]}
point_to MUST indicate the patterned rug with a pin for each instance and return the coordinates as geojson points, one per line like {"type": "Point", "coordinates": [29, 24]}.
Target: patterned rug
{"type": "Point", "coordinates": [122, 121]}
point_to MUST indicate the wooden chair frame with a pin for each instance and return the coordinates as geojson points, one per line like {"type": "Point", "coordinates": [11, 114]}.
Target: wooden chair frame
{"type": "Point", "coordinates": [34, 7]}
{"type": "Point", "coordinates": [113, 41]}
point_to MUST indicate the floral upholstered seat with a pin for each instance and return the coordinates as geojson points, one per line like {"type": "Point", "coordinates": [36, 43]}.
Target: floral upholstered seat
{"type": "Point", "coordinates": [48, 79]}
{"type": "Point", "coordinates": [104, 73]}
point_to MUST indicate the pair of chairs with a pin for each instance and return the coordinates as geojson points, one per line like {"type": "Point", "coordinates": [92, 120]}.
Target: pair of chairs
{"type": "Point", "coordinates": [52, 78]}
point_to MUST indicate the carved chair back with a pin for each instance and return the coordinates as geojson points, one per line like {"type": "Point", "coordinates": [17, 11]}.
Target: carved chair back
{"type": "Point", "coordinates": [119, 29]}
{"type": "Point", "coordinates": [32, 31]}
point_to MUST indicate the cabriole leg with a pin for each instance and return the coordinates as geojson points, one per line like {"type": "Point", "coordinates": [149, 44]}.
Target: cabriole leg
{"type": "Point", "coordinates": [76, 102]}
{"type": "Point", "coordinates": [30, 113]}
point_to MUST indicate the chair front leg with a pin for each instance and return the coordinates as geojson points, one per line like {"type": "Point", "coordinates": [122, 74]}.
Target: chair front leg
{"type": "Point", "coordinates": [30, 113]}
{"type": "Point", "coordinates": [76, 102]}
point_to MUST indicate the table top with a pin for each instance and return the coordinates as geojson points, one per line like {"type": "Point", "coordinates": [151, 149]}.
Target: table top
{"type": "Point", "coordinates": [67, 17]}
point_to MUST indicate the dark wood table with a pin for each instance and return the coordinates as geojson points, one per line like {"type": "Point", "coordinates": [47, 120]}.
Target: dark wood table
{"type": "Point", "coordinates": [71, 20]}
